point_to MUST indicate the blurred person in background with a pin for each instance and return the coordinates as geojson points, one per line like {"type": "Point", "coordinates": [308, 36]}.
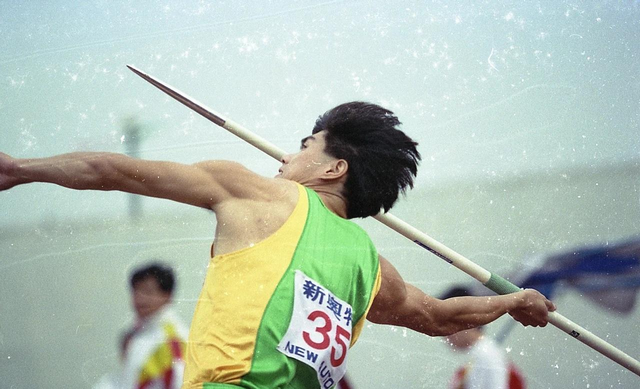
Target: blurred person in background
{"type": "Point", "coordinates": [488, 366]}
{"type": "Point", "coordinates": [152, 349]}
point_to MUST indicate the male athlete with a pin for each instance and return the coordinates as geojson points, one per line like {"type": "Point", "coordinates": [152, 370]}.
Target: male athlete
{"type": "Point", "coordinates": [291, 280]}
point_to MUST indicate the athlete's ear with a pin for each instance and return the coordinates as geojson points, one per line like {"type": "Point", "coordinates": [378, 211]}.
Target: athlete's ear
{"type": "Point", "coordinates": [336, 169]}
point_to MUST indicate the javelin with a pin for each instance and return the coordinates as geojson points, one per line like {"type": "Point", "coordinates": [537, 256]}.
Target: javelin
{"type": "Point", "coordinates": [488, 279]}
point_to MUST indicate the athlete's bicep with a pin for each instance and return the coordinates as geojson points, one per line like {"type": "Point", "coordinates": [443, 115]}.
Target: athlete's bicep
{"type": "Point", "coordinates": [392, 293]}
{"type": "Point", "coordinates": [402, 304]}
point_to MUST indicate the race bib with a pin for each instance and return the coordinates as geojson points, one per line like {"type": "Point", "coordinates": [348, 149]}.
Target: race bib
{"type": "Point", "coordinates": [319, 333]}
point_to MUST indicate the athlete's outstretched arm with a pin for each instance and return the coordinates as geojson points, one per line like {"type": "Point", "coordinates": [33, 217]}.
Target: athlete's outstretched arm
{"type": "Point", "coordinates": [399, 303]}
{"type": "Point", "coordinates": [202, 184]}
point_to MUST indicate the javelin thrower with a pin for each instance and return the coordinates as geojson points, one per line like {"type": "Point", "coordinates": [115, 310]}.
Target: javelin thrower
{"type": "Point", "coordinates": [292, 279]}
{"type": "Point", "coordinates": [490, 280]}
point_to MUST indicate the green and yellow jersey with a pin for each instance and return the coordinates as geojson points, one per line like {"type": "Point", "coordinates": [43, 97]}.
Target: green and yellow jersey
{"type": "Point", "coordinates": [283, 312]}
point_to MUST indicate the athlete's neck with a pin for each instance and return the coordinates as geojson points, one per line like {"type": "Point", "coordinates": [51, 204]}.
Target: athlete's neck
{"type": "Point", "coordinates": [335, 202]}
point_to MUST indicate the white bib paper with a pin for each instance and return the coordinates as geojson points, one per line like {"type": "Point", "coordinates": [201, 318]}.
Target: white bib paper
{"type": "Point", "coordinates": [319, 333]}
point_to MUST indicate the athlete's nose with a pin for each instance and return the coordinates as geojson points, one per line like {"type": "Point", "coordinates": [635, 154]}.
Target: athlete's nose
{"type": "Point", "coordinates": [285, 158]}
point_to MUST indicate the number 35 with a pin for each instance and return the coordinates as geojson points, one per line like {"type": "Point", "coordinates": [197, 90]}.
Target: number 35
{"type": "Point", "coordinates": [341, 336]}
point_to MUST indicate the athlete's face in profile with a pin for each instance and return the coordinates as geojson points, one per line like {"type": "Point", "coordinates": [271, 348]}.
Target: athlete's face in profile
{"type": "Point", "coordinates": [308, 163]}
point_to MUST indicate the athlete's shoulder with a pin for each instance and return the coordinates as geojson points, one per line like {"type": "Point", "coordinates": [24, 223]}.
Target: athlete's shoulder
{"type": "Point", "coordinates": [239, 182]}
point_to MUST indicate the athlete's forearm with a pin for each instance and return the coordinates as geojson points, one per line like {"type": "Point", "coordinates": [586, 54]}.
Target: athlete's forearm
{"type": "Point", "coordinates": [445, 317]}
{"type": "Point", "coordinates": [399, 303]}
{"type": "Point", "coordinates": [97, 171]}
{"type": "Point", "coordinates": [402, 304]}
{"type": "Point", "coordinates": [434, 317]}
{"type": "Point", "coordinates": [462, 313]}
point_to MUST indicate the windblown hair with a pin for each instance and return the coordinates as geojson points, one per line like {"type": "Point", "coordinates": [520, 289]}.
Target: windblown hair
{"type": "Point", "coordinates": [382, 160]}
{"type": "Point", "coordinates": [161, 273]}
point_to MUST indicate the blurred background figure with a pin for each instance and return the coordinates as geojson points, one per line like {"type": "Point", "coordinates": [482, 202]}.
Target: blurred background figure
{"type": "Point", "coordinates": [488, 366]}
{"type": "Point", "coordinates": [152, 349]}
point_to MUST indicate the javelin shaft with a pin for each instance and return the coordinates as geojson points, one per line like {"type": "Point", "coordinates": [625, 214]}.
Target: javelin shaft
{"type": "Point", "coordinates": [490, 280]}
{"type": "Point", "coordinates": [213, 116]}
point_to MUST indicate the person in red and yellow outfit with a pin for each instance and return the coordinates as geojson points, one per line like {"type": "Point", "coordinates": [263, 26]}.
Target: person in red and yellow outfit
{"type": "Point", "coordinates": [153, 349]}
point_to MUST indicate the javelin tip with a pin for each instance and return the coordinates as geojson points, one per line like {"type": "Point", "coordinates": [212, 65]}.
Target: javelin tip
{"type": "Point", "coordinates": [139, 72]}
{"type": "Point", "coordinates": [135, 69]}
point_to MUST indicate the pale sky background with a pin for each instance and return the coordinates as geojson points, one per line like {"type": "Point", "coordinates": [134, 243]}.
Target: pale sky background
{"type": "Point", "coordinates": [527, 115]}
{"type": "Point", "coordinates": [489, 89]}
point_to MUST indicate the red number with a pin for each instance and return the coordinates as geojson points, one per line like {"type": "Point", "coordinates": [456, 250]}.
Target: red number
{"type": "Point", "coordinates": [340, 333]}
{"type": "Point", "coordinates": [342, 337]}
{"type": "Point", "coordinates": [324, 331]}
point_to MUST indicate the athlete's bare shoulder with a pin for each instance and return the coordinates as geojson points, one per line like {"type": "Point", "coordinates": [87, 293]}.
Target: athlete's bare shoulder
{"type": "Point", "coordinates": [243, 221]}
{"type": "Point", "coordinates": [239, 183]}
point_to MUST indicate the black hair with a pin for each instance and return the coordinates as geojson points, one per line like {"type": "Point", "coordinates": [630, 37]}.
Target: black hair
{"type": "Point", "coordinates": [382, 159]}
{"type": "Point", "coordinates": [457, 291]}
{"type": "Point", "coordinates": [163, 274]}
